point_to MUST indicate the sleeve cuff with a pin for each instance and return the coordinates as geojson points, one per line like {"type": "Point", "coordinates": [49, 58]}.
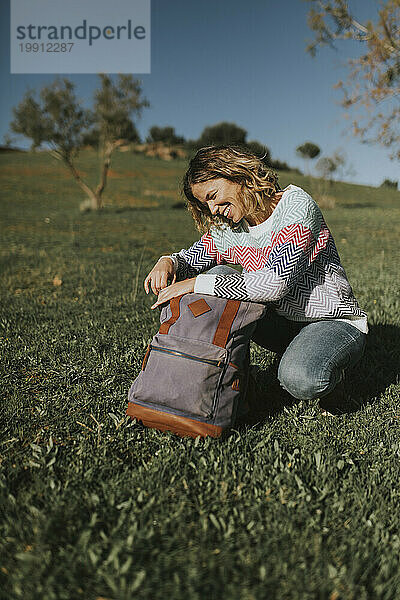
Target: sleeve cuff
{"type": "Point", "coordinates": [173, 258]}
{"type": "Point", "coordinates": [204, 284]}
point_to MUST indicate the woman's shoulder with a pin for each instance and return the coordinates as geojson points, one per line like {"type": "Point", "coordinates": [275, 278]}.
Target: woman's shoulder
{"type": "Point", "coordinates": [296, 200]}
{"type": "Point", "coordinates": [298, 207]}
{"type": "Point", "coordinates": [294, 192]}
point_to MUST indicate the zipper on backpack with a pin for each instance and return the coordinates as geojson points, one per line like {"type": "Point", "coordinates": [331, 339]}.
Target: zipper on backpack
{"type": "Point", "coordinates": [211, 414]}
{"type": "Point", "coordinates": [208, 361]}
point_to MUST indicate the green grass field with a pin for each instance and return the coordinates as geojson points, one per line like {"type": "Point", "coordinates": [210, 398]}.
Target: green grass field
{"type": "Point", "coordinates": [93, 505]}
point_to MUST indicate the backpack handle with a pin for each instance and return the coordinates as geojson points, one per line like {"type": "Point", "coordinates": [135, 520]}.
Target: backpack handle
{"type": "Point", "coordinates": [225, 323]}
{"type": "Point", "coordinates": [174, 304]}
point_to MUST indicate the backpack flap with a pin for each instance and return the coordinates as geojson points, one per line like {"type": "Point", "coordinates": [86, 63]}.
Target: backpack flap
{"type": "Point", "coordinates": [178, 316]}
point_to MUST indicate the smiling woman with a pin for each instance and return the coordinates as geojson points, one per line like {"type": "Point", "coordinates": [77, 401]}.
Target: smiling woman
{"type": "Point", "coordinates": [289, 260]}
{"type": "Point", "coordinates": [224, 199]}
{"type": "Point", "coordinates": [249, 186]}
{"type": "Point", "coordinates": [221, 197]}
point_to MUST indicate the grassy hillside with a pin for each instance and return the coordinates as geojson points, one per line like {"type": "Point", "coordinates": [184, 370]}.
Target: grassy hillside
{"type": "Point", "coordinates": [92, 504]}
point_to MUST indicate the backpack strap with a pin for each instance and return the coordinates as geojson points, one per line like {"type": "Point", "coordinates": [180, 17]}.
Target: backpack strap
{"type": "Point", "coordinates": [225, 323]}
{"type": "Point", "coordinates": [174, 304]}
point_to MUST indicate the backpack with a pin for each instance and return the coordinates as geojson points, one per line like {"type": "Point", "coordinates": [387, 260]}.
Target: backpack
{"type": "Point", "coordinates": [195, 370]}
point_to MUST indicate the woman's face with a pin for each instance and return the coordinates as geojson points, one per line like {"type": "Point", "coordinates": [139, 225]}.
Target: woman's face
{"type": "Point", "coordinates": [222, 198]}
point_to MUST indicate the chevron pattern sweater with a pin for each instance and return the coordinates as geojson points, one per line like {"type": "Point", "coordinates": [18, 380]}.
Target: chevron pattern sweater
{"type": "Point", "coordinates": [289, 260]}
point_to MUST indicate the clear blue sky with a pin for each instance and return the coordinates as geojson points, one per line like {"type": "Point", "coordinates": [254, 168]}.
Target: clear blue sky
{"type": "Point", "coordinates": [229, 60]}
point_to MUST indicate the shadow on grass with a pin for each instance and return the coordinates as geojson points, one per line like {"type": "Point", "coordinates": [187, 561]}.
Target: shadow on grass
{"type": "Point", "coordinates": [380, 365]}
{"type": "Point", "coordinates": [265, 397]}
{"type": "Point", "coordinates": [365, 382]}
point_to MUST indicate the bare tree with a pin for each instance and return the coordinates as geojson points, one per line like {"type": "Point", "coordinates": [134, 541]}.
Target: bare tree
{"type": "Point", "coordinates": [337, 165]}
{"type": "Point", "coordinates": [372, 87]}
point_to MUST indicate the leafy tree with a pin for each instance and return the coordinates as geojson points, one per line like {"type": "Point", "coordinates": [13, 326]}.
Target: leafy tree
{"type": "Point", "coordinates": [372, 87]}
{"type": "Point", "coordinates": [280, 165]}
{"type": "Point", "coordinates": [221, 134]}
{"type": "Point", "coordinates": [228, 133]}
{"type": "Point", "coordinates": [328, 165]}
{"type": "Point", "coordinates": [58, 120]}
{"type": "Point", "coordinates": [308, 151]}
{"type": "Point", "coordinates": [165, 135]}
{"type": "Point", "coordinates": [113, 106]}
{"type": "Point", "coordinates": [389, 183]}
{"type": "Point", "coordinates": [92, 137]}
{"type": "Point", "coordinates": [259, 150]}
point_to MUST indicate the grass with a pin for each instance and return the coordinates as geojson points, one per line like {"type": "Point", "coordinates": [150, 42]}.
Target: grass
{"type": "Point", "coordinates": [95, 506]}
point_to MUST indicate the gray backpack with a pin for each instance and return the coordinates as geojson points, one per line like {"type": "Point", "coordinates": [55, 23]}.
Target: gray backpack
{"type": "Point", "coordinates": [195, 370]}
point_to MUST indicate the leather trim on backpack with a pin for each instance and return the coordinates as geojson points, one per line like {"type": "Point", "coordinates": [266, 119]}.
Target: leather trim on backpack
{"type": "Point", "coordinates": [174, 304]}
{"type": "Point", "coordinates": [146, 357]}
{"type": "Point", "coordinates": [164, 421]}
{"type": "Point", "coordinates": [199, 307]}
{"type": "Point", "coordinates": [225, 323]}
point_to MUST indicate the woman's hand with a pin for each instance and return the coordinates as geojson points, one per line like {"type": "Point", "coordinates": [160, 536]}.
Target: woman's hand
{"type": "Point", "coordinates": [162, 272]}
{"type": "Point", "coordinates": [176, 289]}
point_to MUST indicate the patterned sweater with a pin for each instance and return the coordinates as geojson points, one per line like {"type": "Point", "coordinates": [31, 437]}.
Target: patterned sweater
{"type": "Point", "coordinates": [290, 260]}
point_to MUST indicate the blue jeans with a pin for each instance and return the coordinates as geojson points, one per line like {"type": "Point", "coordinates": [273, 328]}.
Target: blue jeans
{"type": "Point", "coordinates": [314, 356]}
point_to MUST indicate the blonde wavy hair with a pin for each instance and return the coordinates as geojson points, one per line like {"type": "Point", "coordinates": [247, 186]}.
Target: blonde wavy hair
{"type": "Point", "coordinates": [259, 184]}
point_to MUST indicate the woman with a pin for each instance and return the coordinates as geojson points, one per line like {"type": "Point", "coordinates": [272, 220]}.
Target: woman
{"type": "Point", "coordinates": [289, 261]}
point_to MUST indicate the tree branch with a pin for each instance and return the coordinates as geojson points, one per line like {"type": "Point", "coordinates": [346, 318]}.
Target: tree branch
{"type": "Point", "coordinates": [78, 178]}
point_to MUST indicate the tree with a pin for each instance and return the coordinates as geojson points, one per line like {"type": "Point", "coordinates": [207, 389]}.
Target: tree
{"type": "Point", "coordinates": [308, 151]}
{"type": "Point", "coordinates": [8, 140]}
{"type": "Point", "coordinates": [92, 137]}
{"type": "Point", "coordinates": [389, 183]}
{"type": "Point", "coordinates": [225, 133]}
{"type": "Point", "coordinates": [372, 88]}
{"type": "Point", "coordinates": [166, 135]}
{"type": "Point", "coordinates": [259, 150]}
{"type": "Point", "coordinates": [328, 165]}
{"type": "Point", "coordinates": [58, 120]}
{"type": "Point", "coordinates": [221, 134]}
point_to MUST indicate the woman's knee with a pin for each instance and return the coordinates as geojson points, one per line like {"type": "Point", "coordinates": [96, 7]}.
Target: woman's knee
{"type": "Point", "coordinates": [314, 362]}
{"type": "Point", "coordinates": [304, 383]}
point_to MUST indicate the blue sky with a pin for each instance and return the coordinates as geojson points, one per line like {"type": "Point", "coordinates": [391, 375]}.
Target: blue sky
{"type": "Point", "coordinates": [226, 60]}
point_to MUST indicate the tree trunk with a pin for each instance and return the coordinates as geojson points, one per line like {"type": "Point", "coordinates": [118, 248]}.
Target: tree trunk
{"type": "Point", "coordinates": [104, 172]}
{"type": "Point", "coordinates": [108, 150]}
{"type": "Point", "coordinates": [94, 200]}
{"type": "Point", "coordinates": [95, 197]}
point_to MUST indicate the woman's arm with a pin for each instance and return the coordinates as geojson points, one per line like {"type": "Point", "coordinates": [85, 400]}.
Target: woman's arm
{"type": "Point", "coordinates": [176, 289]}
{"type": "Point", "coordinates": [183, 265]}
{"type": "Point", "coordinates": [200, 257]}
{"type": "Point", "coordinates": [162, 273]}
